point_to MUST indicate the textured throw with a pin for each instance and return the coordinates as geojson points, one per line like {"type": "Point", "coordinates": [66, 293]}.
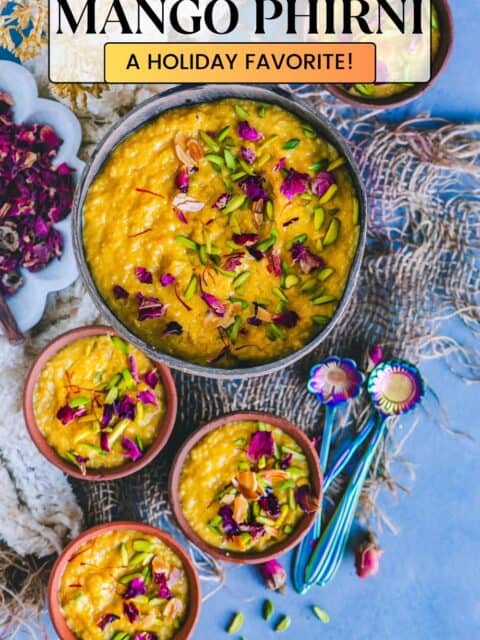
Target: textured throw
{"type": "Point", "coordinates": [421, 265]}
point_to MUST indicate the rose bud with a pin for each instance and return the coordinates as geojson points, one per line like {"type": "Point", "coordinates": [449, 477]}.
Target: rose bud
{"type": "Point", "coordinates": [375, 356]}
{"type": "Point", "coordinates": [367, 557]}
{"type": "Point", "coordinates": [274, 575]}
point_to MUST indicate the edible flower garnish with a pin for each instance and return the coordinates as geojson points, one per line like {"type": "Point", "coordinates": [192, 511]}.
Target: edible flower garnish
{"type": "Point", "coordinates": [306, 500]}
{"type": "Point", "coordinates": [274, 264]}
{"type": "Point", "coordinates": [367, 557]}
{"type": "Point", "coordinates": [261, 444]}
{"type": "Point", "coordinates": [163, 588]}
{"type": "Point", "coordinates": [106, 619]}
{"type": "Point", "coordinates": [131, 611]}
{"type": "Point", "coordinates": [270, 504]}
{"type": "Point", "coordinates": [214, 303]}
{"type": "Point", "coordinates": [145, 635]}
{"type": "Point", "coordinates": [295, 183]}
{"type": "Point", "coordinates": [182, 179]}
{"type": "Point", "coordinates": [67, 414]}
{"type": "Point", "coordinates": [246, 132]}
{"type": "Point", "coordinates": [132, 450]}
{"type": "Point", "coordinates": [286, 462]}
{"type": "Point", "coordinates": [119, 292]}
{"type": "Point", "coordinates": [152, 378]}
{"type": "Point", "coordinates": [144, 275]}
{"type": "Point", "coordinates": [287, 319]}
{"type": "Point", "coordinates": [233, 260]}
{"type": "Point", "coordinates": [307, 260]}
{"type": "Point", "coordinates": [230, 527]}
{"type": "Point", "coordinates": [104, 442]}
{"type": "Point", "coordinates": [150, 308]}
{"type": "Point", "coordinates": [107, 415]}
{"type": "Point", "coordinates": [132, 365]}
{"type": "Point", "coordinates": [147, 397]}
{"type": "Point", "coordinates": [125, 408]}
{"type": "Point", "coordinates": [375, 356]}
{"type": "Point", "coordinates": [245, 239]}
{"type": "Point", "coordinates": [172, 329]}
{"type": "Point", "coordinates": [322, 183]}
{"type": "Point", "coordinates": [222, 201]}
{"type": "Point", "coordinates": [181, 216]}
{"type": "Point", "coordinates": [136, 587]}
{"type": "Point", "coordinates": [252, 186]}
{"type": "Point", "coordinates": [248, 155]}
{"type": "Point", "coordinates": [274, 575]}
{"type": "Point", "coordinates": [281, 164]}
{"type": "Point", "coordinates": [166, 279]}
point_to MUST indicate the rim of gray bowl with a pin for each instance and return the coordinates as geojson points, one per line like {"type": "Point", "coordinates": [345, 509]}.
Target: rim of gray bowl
{"type": "Point", "coordinates": [184, 96]}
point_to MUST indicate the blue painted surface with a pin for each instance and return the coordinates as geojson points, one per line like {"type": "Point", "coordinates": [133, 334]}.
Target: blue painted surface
{"type": "Point", "coordinates": [428, 587]}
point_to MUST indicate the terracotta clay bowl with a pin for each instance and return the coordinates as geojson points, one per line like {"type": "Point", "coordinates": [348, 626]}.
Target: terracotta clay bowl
{"type": "Point", "coordinates": [304, 524]}
{"type": "Point", "coordinates": [439, 65]}
{"type": "Point", "coordinates": [52, 456]}
{"type": "Point", "coordinates": [194, 604]}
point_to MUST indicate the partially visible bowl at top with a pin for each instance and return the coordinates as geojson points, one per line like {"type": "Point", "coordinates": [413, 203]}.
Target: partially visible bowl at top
{"type": "Point", "coordinates": [395, 95]}
{"type": "Point", "coordinates": [28, 302]}
{"type": "Point", "coordinates": [221, 228]}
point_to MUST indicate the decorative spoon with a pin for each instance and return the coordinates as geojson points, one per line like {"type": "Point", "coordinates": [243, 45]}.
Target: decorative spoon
{"type": "Point", "coordinates": [395, 388]}
{"type": "Point", "coordinates": [9, 324]}
{"type": "Point", "coordinates": [334, 381]}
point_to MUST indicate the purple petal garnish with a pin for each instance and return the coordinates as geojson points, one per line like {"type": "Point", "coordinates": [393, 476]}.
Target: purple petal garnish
{"type": "Point", "coordinates": [167, 279]}
{"type": "Point", "coordinates": [132, 365]}
{"type": "Point", "coordinates": [322, 183]}
{"type": "Point", "coordinates": [222, 201]}
{"type": "Point", "coordinates": [214, 303]}
{"type": "Point", "coordinates": [270, 504]}
{"type": "Point", "coordinates": [104, 442]}
{"type": "Point", "coordinates": [131, 611]}
{"type": "Point", "coordinates": [255, 529]}
{"type": "Point", "coordinates": [150, 308]}
{"type": "Point", "coordinates": [132, 450]}
{"type": "Point", "coordinates": [136, 587]}
{"type": "Point", "coordinates": [305, 499]}
{"type": "Point", "coordinates": [107, 415]}
{"type": "Point", "coordinates": [246, 132]}
{"type": "Point", "coordinates": [119, 292]}
{"type": "Point", "coordinates": [287, 319]}
{"type": "Point", "coordinates": [248, 155]}
{"type": "Point", "coordinates": [163, 588]}
{"type": "Point", "coordinates": [307, 260]}
{"type": "Point", "coordinates": [286, 462]}
{"type": "Point", "coordinates": [229, 525]}
{"type": "Point", "coordinates": [145, 635]}
{"type": "Point", "coordinates": [252, 186]}
{"type": "Point", "coordinates": [182, 179]}
{"type": "Point", "coordinates": [67, 414]}
{"type": "Point", "coordinates": [144, 275]}
{"type": "Point", "coordinates": [245, 239]}
{"type": "Point", "coordinates": [294, 184]}
{"type": "Point", "coordinates": [256, 322]}
{"type": "Point", "coordinates": [152, 378]}
{"type": "Point", "coordinates": [261, 444]}
{"type": "Point", "coordinates": [106, 619]}
{"type": "Point", "coordinates": [255, 253]}
{"type": "Point", "coordinates": [233, 260]}
{"type": "Point", "coordinates": [172, 329]}
{"type": "Point", "coordinates": [125, 408]}
{"type": "Point", "coordinates": [281, 164]}
{"type": "Point", "coordinates": [181, 216]}
{"type": "Point", "coordinates": [274, 264]}
{"type": "Point", "coordinates": [147, 397]}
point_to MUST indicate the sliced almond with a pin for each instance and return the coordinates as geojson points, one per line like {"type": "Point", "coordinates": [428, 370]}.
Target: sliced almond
{"type": "Point", "coordinates": [173, 608]}
{"type": "Point", "coordinates": [264, 315]}
{"type": "Point", "coordinates": [194, 150]}
{"type": "Point", "coordinates": [228, 498]}
{"type": "Point", "coordinates": [273, 532]}
{"type": "Point", "coordinates": [247, 483]}
{"type": "Point", "coordinates": [273, 475]}
{"type": "Point", "coordinates": [187, 204]}
{"type": "Point", "coordinates": [159, 566]}
{"type": "Point", "coordinates": [240, 508]}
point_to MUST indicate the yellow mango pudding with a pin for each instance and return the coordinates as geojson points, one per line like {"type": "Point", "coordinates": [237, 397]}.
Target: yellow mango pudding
{"type": "Point", "coordinates": [124, 585]}
{"type": "Point", "coordinates": [99, 402]}
{"type": "Point", "coordinates": [223, 232]}
{"type": "Point", "coordinates": [377, 91]}
{"type": "Point", "coordinates": [245, 486]}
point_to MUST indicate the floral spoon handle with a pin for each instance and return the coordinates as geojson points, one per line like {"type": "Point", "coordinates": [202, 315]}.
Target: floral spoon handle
{"type": "Point", "coordinates": [328, 553]}
{"type": "Point", "coordinates": [305, 547]}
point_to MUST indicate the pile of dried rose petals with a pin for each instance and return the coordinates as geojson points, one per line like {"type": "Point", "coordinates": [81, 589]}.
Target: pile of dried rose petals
{"type": "Point", "coordinates": [33, 197]}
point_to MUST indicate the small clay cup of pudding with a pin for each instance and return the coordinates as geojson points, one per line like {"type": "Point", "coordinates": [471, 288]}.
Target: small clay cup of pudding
{"type": "Point", "coordinates": [54, 586]}
{"type": "Point", "coordinates": [95, 474]}
{"type": "Point", "coordinates": [310, 461]}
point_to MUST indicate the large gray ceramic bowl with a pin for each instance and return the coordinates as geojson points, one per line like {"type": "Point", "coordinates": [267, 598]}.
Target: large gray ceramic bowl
{"type": "Point", "coordinates": [186, 96]}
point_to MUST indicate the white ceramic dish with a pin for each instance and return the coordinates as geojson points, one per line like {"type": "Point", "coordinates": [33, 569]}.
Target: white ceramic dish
{"type": "Point", "coordinates": [28, 303]}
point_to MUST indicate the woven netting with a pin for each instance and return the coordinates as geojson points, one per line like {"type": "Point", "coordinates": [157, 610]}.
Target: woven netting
{"type": "Point", "coordinates": [421, 266]}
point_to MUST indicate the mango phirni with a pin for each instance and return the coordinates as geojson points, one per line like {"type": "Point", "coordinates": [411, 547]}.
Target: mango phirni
{"type": "Point", "coordinates": [99, 402]}
{"type": "Point", "coordinates": [388, 89]}
{"type": "Point", "coordinates": [223, 233]}
{"type": "Point", "coordinates": [245, 486]}
{"type": "Point", "coordinates": [124, 585]}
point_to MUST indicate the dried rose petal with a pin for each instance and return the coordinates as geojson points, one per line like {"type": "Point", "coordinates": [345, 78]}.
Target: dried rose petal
{"type": "Point", "coordinates": [151, 378]}
{"type": "Point", "coordinates": [132, 450]}
{"type": "Point", "coordinates": [270, 504]}
{"type": "Point", "coordinates": [150, 308]}
{"type": "Point", "coordinates": [286, 462]}
{"type": "Point", "coordinates": [305, 499]}
{"type": "Point", "coordinates": [287, 319]}
{"type": "Point", "coordinates": [261, 444]}
{"type": "Point", "coordinates": [107, 415]}
{"type": "Point", "coordinates": [307, 260]}
{"type": "Point", "coordinates": [125, 408]}
{"type": "Point", "coordinates": [255, 529]}
{"type": "Point", "coordinates": [252, 186]}
{"type": "Point", "coordinates": [245, 239]}
{"type": "Point", "coordinates": [136, 587]}
{"type": "Point", "coordinates": [375, 356]}
{"type": "Point", "coordinates": [367, 557]}
{"type": "Point", "coordinates": [255, 253]}
{"type": "Point", "coordinates": [144, 275]}
{"type": "Point", "coordinates": [233, 261]}
{"type": "Point", "coordinates": [182, 179]}
{"type": "Point", "coordinates": [67, 414]}
{"type": "Point", "coordinates": [322, 183]}
{"type": "Point", "coordinates": [222, 201]}
{"type": "Point", "coordinates": [145, 635]}
{"type": "Point", "coordinates": [214, 303]}
{"type": "Point", "coordinates": [274, 575]}
{"type": "Point", "coordinates": [106, 619]}
{"type": "Point", "coordinates": [131, 611]}
{"type": "Point", "coordinates": [167, 279]}
{"type": "Point", "coordinates": [172, 329]}
{"type": "Point", "coordinates": [147, 397]}
{"type": "Point", "coordinates": [256, 322]}
{"type": "Point", "coordinates": [295, 183]}
{"type": "Point", "coordinates": [181, 216]}
{"type": "Point", "coordinates": [246, 132]}
{"type": "Point", "coordinates": [229, 525]}
{"type": "Point", "coordinates": [163, 588]}
{"type": "Point", "coordinates": [119, 292]}
{"type": "Point", "coordinates": [104, 442]}
{"type": "Point", "coordinates": [248, 155]}
{"type": "Point", "coordinates": [281, 164]}
{"type": "Point", "coordinates": [274, 264]}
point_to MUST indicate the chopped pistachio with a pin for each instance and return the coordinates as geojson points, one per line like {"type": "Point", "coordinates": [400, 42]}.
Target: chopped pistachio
{"type": "Point", "coordinates": [209, 141]}
{"type": "Point", "coordinates": [191, 288]}
{"type": "Point", "coordinates": [325, 273]}
{"type": "Point", "coordinates": [269, 209]}
{"type": "Point", "coordinates": [328, 195]}
{"type": "Point", "coordinates": [279, 293]}
{"type": "Point", "coordinates": [291, 280]}
{"type": "Point", "coordinates": [363, 89]}
{"type": "Point", "coordinates": [140, 559]}
{"type": "Point", "coordinates": [291, 499]}
{"type": "Point", "coordinates": [121, 635]}
{"type": "Point", "coordinates": [111, 395]}
{"type": "Point", "coordinates": [262, 161]}
{"type": "Point", "coordinates": [321, 614]}
{"type": "Point", "coordinates": [274, 332]}
{"type": "Point", "coordinates": [242, 465]}
{"type": "Point", "coordinates": [187, 242]}
{"type": "Point", "coordinates": [324, 299]}
{"type": "Point", "coordinates": [124, 554]}
{"type": "Point", "coordinates": [143, 545]}
{"type": "Point", "coordinates": [261, 111]}
{"type": "Point", "coordinates": [296, 455]}
{"type": "Point", "coordinates": [266, 244]}
{"type": "Point", "coordinates": [291, 144]}
{"type": "Point", "coordinates": [237, 176]}
{"type": "Point", "coordinates": [215, 159]}
{"type": "Point", "coordinates": [129, 577]}
{"type": "Point", "coordinates": [335, 164]}
{"type": "Point", "coordinates": [243, 303]}
{"type": "Point", "coordinates": [321, 320]}
{"type": "Point", "coordinates": [240, 442]}
{"type": "Point", "coordinates": [302, 237]}
{"type": "Point", "coordinates": [318, 218]}
{"type": "Point", "coordinates": [240, 111]}
{"type": "Point", "coordinates": [234, 329]}
{"type": "Point", "coordinates": [270, 139]}
{"type": "Point", "coordinates": [120, 344]}
{"type": "Point", "coordinates": [117, 431]}
{"type": "Point", "coordinates": [236, 623]}
{"type": "Point", "coordinates": [230, 160]}
{"type": "Point", "coordinates": [79, 401]}
{"type": "Point", "coordinates": [319, 165]}
{"type": "Point", "coordinates": [308, 285]}
{"type": "Point", "coordinates": [223, 133]}
{"type": "Point", "coordinates": [268, 609]}
{"type": "Point", "coordinates": [235, 203]}
{"type": "Point", "coordinates": [283, 624]}
{"type": "Point", "coordinates": [240, 279]}
{"type": "Point", "coordinates": [355, 211]}
{"type": "Point", "coordinates": [287, 529]}
{"type": "Point", "coordinates": [202, 254]}
{"type": "Point", "coordinates": [332, 232]}
{"type": "Point", "coordinates": [316, 293]}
